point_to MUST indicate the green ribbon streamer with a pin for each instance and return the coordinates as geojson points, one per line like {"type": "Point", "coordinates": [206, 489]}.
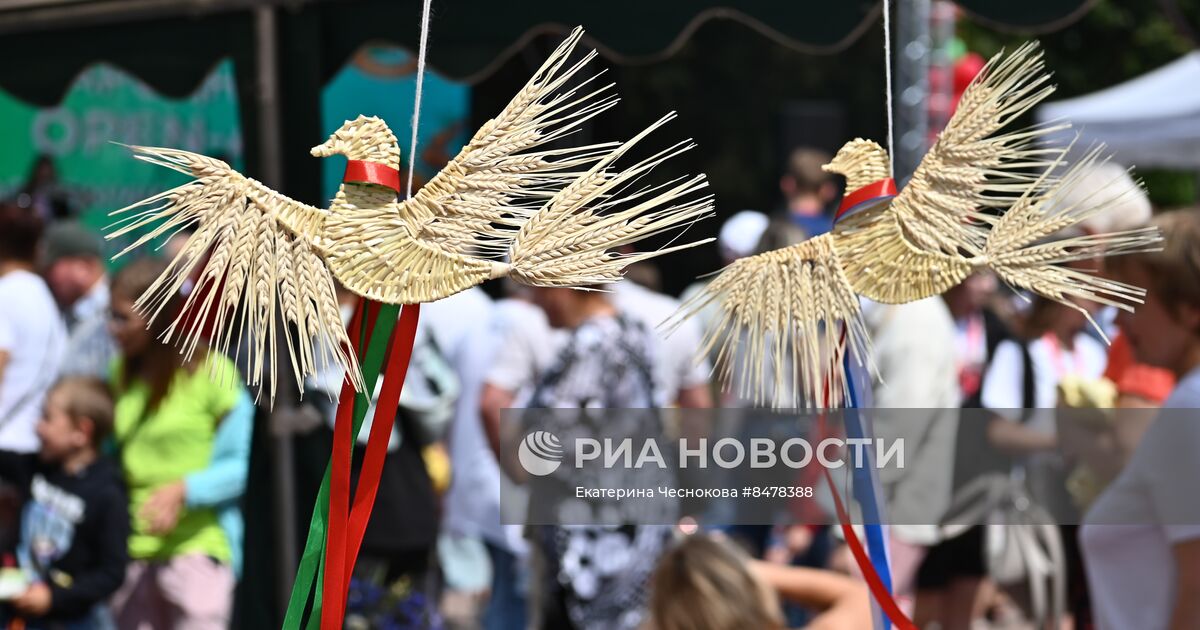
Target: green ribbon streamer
{"type": "Point", "coordinates": [312, 562]}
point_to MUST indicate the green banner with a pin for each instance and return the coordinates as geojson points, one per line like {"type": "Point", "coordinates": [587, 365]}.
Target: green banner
{"type": "Point", "coordinates": [104, 106]}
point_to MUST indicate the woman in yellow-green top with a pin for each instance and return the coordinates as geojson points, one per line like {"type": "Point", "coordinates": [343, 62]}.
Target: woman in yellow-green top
{"type": "Point", "coordinates": [168, 415]}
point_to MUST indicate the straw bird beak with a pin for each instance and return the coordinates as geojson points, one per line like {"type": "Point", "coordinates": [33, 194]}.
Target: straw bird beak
{"type": "Point", "coordinates": [325, 149]}
{"type": "Point", "coordinates": [835, 165]}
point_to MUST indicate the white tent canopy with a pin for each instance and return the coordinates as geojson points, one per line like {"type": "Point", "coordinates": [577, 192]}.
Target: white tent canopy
{"type": "Point", "coordinates": [1150, 121]}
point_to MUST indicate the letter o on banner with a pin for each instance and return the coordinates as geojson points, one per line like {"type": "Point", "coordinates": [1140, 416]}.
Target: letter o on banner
{"type": "Point", "coordinates": [48, 120]}
{"type": "Point", "coordinates": [719, 448]}
{"type": "Point", "coordinates": [785, 453]}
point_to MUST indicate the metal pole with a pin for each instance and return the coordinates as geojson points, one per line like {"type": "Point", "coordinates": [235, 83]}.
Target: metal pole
{"type": "Point", "coordinates": [270, 136]}
{"type": "Point", "coordinates": [270, 145]}
{"type": "Point", "coordinates": [942, 21]}
{"type": "Point", "coordinates": [911, 85]}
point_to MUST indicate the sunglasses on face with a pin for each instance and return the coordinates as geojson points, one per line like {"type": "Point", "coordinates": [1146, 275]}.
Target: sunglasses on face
{"type": "Point", "coordinates": [120, 319]}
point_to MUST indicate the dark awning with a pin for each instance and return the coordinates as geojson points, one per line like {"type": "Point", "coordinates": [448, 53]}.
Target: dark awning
{"type": "Point", "coordinates": [171, 44]}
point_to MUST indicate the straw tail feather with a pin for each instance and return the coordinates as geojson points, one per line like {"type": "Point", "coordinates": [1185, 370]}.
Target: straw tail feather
{"type": "Point", "coordinates": [1024, 252]}
{"type": "Point", "coordinates": [248, 264]}
{"type": "Point", "coordinates": [512, 165]}
{"type": "Point", "coordinates": [974, 168]}
{"type": "Point", "coordinates": [568, 241]}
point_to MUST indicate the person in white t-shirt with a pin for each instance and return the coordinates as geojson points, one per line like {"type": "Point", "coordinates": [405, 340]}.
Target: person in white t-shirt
{"type": "Point", "coordinates": [472, 504]}
{"type": "Point", "coordinates": [1058, 346]}
{"type": "Point", "coordinates": [525, 350]}
{"type": "Point", "coordinates": [1141, 536]}
{"type": "Point", "coordinates": [451, 319]}
{"type": "Point", "coordinates": [738, 238]}
{"type": "Point", "coordinates": [32, 335]}
{"type": "Point", "coordinates": [679, 375]}
{"type": "Point", "coordinates": [1020, 388]}
{"type": "Point", "coordinates": [913, 349]}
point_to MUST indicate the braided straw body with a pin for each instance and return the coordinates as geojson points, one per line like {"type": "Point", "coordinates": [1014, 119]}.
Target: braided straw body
{"type": "Point", "coordinates": [373, 253]}
{"type": "Point", "coordinates": [881, 264]}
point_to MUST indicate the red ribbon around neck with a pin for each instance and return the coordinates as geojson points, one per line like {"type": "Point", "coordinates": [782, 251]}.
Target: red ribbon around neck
{"type": "Point", "coordinates": [866, 197]}
{"type": "Point", "coordinates": [364, 172]}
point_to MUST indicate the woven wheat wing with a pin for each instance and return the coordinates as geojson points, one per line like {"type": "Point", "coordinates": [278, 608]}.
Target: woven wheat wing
{"type": "Point", "coordinates": [981, 198]}
{"type": "Point", "coordinates": [554, 214]}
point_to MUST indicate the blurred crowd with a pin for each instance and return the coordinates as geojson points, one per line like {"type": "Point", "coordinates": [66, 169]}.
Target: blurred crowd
{"type": "Point", "coordinates": [125, 462]}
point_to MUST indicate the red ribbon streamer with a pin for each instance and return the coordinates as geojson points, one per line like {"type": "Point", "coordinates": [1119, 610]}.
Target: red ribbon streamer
{"type": "Point", "coordinates": [878, 589]}
{"type": "Point", "coordinates": [876, 192]}
{"type": "Point", "coordinates": [364, 172]}
{"type": "Point", "coordinates": [399, 353]}
{"type": "Point", "coordinates": [333, 597]}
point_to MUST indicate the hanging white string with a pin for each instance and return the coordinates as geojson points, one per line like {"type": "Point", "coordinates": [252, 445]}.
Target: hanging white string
{"type": "Point", "coordinates": [887, 69]}
{"type": "Point", "coordinates": [416, 118]}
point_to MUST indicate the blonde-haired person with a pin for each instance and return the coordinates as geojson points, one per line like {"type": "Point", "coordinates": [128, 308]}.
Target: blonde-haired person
{"type": "Point", "coordinates": [1141, 536]}
{"type": "Point", "coordinates": [707, 583]}
{"type": "Point", "coordinates": [75, 521]}
{"type": "Point", "coordinates": [1021, 385]}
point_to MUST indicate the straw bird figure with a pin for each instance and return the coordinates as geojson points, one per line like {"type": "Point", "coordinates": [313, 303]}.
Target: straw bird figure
{"type": "Point", "coordinates": [978, 199]}
{"type": "Point", "coordinates": [507, 205]}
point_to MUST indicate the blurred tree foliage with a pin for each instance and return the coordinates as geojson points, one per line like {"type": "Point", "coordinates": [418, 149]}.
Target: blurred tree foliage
{"type": "Point", "coordinates": [1115, 41]}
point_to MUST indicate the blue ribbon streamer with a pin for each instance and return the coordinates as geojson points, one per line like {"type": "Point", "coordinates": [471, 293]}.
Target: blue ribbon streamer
{"type": "Point", "coordinates": [865, 493]}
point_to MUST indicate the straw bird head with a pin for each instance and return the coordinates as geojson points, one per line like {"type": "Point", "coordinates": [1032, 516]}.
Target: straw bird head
{"type": "Point", "coordinates": [365, 138]}
{"type": "Point", "coordinates": [861, 162]}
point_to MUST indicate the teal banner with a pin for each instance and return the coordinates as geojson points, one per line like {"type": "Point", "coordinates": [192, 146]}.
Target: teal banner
{"type": "Point", "coordinates": [380, 81]}
{"type": "Point", "coordinates": [105, 106]}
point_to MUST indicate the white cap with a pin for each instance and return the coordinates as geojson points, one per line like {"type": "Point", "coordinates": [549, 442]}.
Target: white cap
{"type": "Point", "coordinates": [740, 234]}
{"type": "Point", "coordinates": [1108, 184]}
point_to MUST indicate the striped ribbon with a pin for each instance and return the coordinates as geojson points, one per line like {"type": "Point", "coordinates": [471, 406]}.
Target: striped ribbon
{"type": "Point", "coordinates": [336, 530]}
{"type": "Point", "coordinates": [873, 560]}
